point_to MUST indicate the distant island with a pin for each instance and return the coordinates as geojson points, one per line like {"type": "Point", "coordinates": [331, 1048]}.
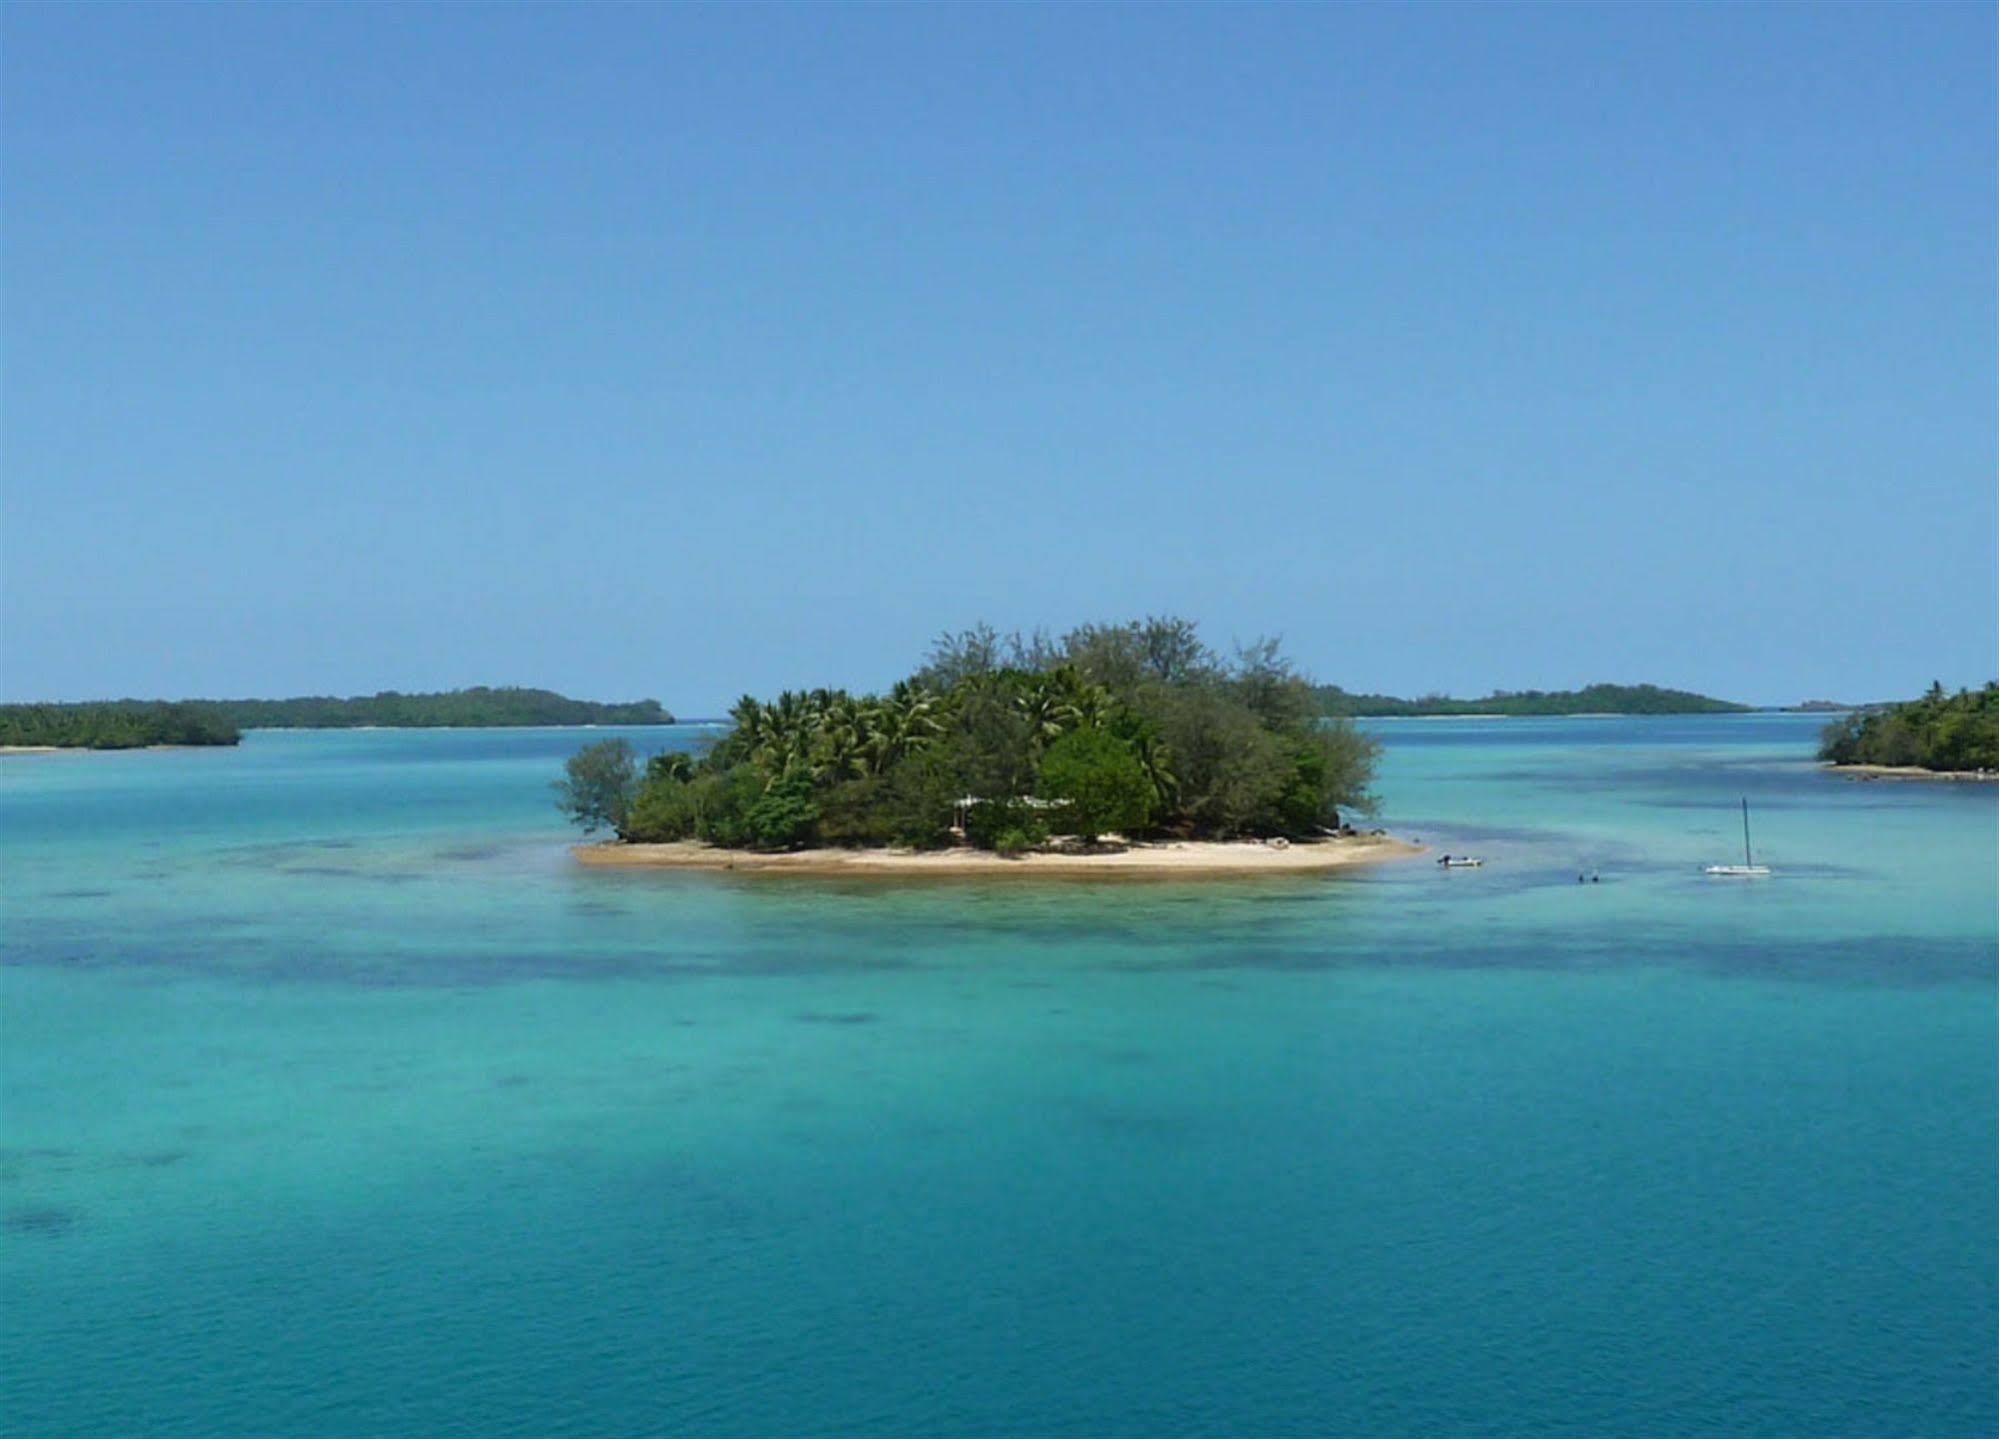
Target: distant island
{"type": "Point", "coordinates": [1592, 699]}
{"type": "Point", "coordinates": [132, 724]}
{"type": "Point", "coordinates": [113, 724]}
{"type": "Point", "coordinates": [1937, 734]}
{"type": "Point", "coordinates": [475, 708]}
{"type": "Point", "coordinates": [1132, 744]}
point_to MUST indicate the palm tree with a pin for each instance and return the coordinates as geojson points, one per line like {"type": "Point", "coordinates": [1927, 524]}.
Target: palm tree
{"type": "Point", "coordinates": [673, 765]}
{"type": "Point", "coordinates": [749, 730]}
{"type": "Point", "coordinates": [1157, 762]}
{"type": "Point", "coordinates": [840, 739]}
{"type": "Point", "coordinates": [1046, 703]}
{"type": "Point", "coordinates": [905, 720]}
{"type": "Point", "coordinates": [1089, 706]}
{"type": "Point", "coordinates": [790, 728]}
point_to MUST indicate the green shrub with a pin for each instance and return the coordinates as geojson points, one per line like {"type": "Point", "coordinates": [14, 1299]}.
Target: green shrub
{"type": "Point", "coordinates": [918, 797]}
{"type": "Point", "coordinates": [852, 814]}
{"type": "Point", "coordinates": [1100, 779]}
{"type": "Point", "coordinates": [722, 803]}
{"type": "Point", "coordinates": [1839, 741]}
{"type": "Point", "coordinates": [784, 816]}
{"type": "Point", "coordinates": [1012, 843]}
{"type": "Point", "coordinates": [664, 810]}
{"type": "Point", "coordinates": [598, 784]}
{"type": "Point", "coordinates": [987, 824]}
{"type": "Point", "coordinates": [1330, 766]}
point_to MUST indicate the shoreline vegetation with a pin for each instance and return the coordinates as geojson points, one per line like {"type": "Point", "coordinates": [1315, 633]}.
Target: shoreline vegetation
{"type": "Point", "coordinates": [152, 724]}
{"type": "Point", "coordinates": [1936, 736]}
{"type": "Point", "coordinates": [1012, 746]}
{"type": "Point", "coordinates": [1601, 699]}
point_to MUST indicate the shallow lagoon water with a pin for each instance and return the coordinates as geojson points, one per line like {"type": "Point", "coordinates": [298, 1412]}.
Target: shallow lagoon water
{"type": "Point", "coordinates": [337, 1100]}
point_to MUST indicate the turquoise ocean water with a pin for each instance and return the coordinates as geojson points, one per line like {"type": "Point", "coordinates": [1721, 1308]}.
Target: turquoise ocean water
{"type": "Point", "coordinates": [336, 1100]}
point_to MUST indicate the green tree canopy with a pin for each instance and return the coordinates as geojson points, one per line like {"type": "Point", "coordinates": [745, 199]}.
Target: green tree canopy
{"type": "Point", "coordinates": [1938, 731]}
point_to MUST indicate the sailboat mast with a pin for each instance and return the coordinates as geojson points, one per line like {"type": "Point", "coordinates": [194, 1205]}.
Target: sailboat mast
{"type": "Point", "coordinates": [1745, 831]}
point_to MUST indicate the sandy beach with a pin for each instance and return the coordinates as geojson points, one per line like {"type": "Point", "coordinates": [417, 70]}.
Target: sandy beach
{"type": "Point", "coordinates": [1175, 858]}
{"type": "Point", "coordinates": [1909, 771]}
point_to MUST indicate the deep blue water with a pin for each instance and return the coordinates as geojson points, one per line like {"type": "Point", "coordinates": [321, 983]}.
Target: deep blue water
{"type": "Point", "coordinates": [336, 1100]}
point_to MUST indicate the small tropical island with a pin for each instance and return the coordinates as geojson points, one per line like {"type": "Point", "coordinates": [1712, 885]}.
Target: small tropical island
{"type": "Point", "coordinates": [1119, 749]}
{"type": "Point", "coordinates": [1938, 735]}
{"type": "Point", "coordinates": [1599, 699]}
{"type": "Point", "coordinates": [138, 724]}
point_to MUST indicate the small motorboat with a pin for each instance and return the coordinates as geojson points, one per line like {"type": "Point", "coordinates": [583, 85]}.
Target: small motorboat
{"type": "Point", "coordinates": [1459, 861]}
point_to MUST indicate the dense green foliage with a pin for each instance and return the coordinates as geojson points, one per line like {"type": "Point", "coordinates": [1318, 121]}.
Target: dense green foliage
{"type": "Point", "coordinates": [113, 724]}
{"type": "Point", "coordinates": [1939, 731]}
{"type": "Point", "coordinates": [1131, 728]}
{"type": "Point", "coordinates": [1592, 699]}
{"type": "Point", "coordinates": [479, 707]}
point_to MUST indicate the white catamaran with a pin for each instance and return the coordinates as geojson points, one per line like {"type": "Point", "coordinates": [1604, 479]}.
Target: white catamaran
{"type": "Point", "coordinates": [1748, 867]}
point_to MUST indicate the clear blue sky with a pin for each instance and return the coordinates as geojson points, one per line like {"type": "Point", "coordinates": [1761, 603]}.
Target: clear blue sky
{"type": "Point", "coordinates": [685, 352]}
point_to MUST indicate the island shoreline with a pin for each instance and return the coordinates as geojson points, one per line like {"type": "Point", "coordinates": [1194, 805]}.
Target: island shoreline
{"type": "Point", "coordinates": [1910, 771]}
{"type": "Point", "coordinates": [21, 749]}
{"type": "Point", "coordinates": [1173, 859]}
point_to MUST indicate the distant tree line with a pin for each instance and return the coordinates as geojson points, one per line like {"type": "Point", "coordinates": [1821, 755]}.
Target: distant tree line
{"type": "Point", "coordinates": [1591, 699]}
{"type": "Point", "coordinates": [126, 724]}
{"type": "Point", "coordinates": [1939, 731]}
{"type": "Point", "coordinates": [475, 708]}
{"type": "Point", "coordinates": [114, 724]}
{"type": "Point", "coordinates": [1135, 729]}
